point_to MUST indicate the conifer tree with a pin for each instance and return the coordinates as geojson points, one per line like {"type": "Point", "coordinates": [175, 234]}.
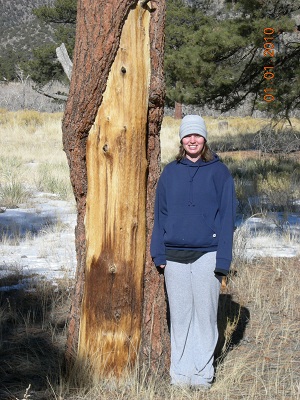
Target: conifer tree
{"type": "Point", "coordinates": [213, 56]}
{"type": "Point", "coordinates": [221, 62]}
{"type": "Point", "coordinates": [44, 65]}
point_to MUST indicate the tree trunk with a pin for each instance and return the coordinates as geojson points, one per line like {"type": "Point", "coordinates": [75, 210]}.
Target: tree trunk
{"type": "Point", "coordinates": [111, 137]}
{"type": "Point", "coordinates": [178, 110]}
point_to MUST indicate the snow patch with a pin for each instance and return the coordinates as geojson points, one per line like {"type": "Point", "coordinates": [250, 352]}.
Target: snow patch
{"type": "Point", "coordinates": [39, 241]}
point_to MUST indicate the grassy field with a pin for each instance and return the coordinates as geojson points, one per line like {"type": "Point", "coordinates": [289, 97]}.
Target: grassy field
{"type": "Point", "coordinates": [31, 157]}
{"type": "Point", "coordinates": [258, 355]}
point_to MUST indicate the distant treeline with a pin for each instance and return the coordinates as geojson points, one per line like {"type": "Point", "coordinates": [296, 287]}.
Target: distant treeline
{"type": "Point", "coordinates": [217, 54]}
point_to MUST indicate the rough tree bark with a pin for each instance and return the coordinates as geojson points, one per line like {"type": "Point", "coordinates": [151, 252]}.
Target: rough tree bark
{"type": "Point", "coordinates": [178, 110]}
{"type": "Point", "coordinates": [111, 130]}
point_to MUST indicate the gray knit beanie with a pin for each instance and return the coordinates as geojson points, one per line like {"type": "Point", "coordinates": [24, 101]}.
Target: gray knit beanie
{"type": "Point", "coordinates": [192, 124]}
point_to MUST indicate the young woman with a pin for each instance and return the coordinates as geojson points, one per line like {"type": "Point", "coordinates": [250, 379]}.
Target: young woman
{"type": "Point", "coordinates": [192, 240]}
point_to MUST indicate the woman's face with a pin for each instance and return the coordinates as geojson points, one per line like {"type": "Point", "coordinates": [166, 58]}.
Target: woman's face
{"type": "Point", "coordinates": [193, 145]}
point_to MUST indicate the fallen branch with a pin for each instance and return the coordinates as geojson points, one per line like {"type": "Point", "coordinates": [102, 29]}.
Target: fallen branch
{"type": "Point", "coordinates": [64, 59]}
{"type": "Point", "coordinates": [53, 96]}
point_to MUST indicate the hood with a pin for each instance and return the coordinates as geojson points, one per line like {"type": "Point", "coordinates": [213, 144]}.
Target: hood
{"type": "Point", "coordinates": [193, 168]}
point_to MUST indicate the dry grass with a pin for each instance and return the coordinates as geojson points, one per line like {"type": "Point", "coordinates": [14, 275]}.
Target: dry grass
{"type": "Point", "coordinates": [259, 348]}
{"type": "Point", "coordinates": [31, 157]}
{"type": "Point", "coordinates": [32, 331]}
{"type": "Point", "coordinates": [259, 315]}
{"type": "Point", "coordinates": [265, 365]}
{"type": "Point", "coordinates": [239, 131]}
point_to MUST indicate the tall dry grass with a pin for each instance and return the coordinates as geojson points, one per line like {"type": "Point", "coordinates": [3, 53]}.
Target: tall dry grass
{"type": "Point", "coordinates": [258, 354]}
{"type": "Point", "coordinates": [31, 157]}
{"type": "Point", "coordinates": [259, 349]}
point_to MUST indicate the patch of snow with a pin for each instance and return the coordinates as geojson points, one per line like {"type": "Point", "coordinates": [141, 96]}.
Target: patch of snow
{"type": "Point", "coordinates": [273, 235]}
{"type": "Point", "coordinates": [39, 241]}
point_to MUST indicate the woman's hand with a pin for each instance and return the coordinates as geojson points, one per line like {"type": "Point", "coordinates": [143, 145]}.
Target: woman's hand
{"type": "Point", "coordinates": [162, 266]}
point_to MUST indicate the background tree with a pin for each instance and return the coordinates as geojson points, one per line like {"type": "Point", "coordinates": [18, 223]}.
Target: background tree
{"type": "Point", "coordinates": [214, 52]}
{"type": "Point", "coordinates": [113, 114]}
{"type": "Point", "coordinates": [9, 59]}
{"type": "Point", "coordinates": [219, 62]}
{"type": "Point", "coordinates": [44, 65]}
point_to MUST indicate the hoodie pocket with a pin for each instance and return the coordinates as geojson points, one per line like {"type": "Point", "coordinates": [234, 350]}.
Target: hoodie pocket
{"type": "Point", "coordinates": [189, 231]}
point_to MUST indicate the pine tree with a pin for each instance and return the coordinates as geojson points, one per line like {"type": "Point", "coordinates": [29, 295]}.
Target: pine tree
{"type": "Point", "coordinates": [213, 56]}
{"type": "Point", "coordinates": [44, 65]}
{"type": "Point", "coordinates": [221, 62]}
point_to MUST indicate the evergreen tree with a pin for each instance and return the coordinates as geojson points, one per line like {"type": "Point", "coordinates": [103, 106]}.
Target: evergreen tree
{"type": "Point", "coordinates": [213, 56]}
{"type": "Point", "coordinates": [9, 59]}
{"type": "Point", "coordinates": [220, 62]}
{"type": "Point", "coordinates": [44, 65]}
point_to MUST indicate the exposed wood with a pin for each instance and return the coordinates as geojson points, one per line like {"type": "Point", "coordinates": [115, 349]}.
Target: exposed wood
{"type": "Point", "coordinates": [88, 82]}
{"type": "Point", "coordinates": [64, 59]}
{"type": "Point", "coordinates": [115, 218]}
{"type": "Point", "coordinates": [110, 139]}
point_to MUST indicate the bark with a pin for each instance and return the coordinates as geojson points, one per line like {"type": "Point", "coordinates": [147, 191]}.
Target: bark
{"type": "Point", "coordinates": [155, 349]}
{"type": "Point", "coordinates": [111, 138]}
{"type": "Point", "coordinates": [178, 110]}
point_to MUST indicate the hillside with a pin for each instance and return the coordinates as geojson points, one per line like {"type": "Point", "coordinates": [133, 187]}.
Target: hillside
{"type": "Point", "coordinates": [20, 30]}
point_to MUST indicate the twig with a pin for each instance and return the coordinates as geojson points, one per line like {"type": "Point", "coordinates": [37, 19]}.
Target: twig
{"type": "Point", "coordinates": [52, 95]}
{"type": "Point", "coordinates": [26, 394]}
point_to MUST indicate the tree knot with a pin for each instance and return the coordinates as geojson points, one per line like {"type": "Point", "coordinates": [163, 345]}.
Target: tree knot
{"type": "Point", "coordinates": [112, 269]}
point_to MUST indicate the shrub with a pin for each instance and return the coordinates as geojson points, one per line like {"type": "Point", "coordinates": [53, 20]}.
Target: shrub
{"type": "Point", "coordinates": [54, 179]}
{"type": "Point", "coordinates": [270, 140]}
{"type": "Point", "coordinates": [12, 194]}
{"type": "Point", "coordinates": [12, 189]}
{"type": "Point", "coordinates": [276, 191]}
{"type": "Point", "coordinates": [246, 192]}
{"type": "Point", "coordinates": [233, 142]}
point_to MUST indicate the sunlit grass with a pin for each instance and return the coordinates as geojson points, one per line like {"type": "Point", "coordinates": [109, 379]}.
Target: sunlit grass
{"type": "Point", "coordinates": [259, 308]}
{"type": "Point", "coordinates": [258, 320]}
{"type": "Point", "coordinates": [31, 156]}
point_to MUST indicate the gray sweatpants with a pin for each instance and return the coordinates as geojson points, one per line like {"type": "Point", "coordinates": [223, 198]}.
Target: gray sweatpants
{"type": "Point", "coordinates": [193, 293]}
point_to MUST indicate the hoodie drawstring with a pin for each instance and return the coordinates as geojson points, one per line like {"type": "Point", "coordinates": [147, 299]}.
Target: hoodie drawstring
{"type": "Point", "coordinates": [191, 194]}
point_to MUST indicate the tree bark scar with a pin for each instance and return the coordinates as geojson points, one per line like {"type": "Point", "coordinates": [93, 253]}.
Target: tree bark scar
{"type": "Point", "coordinates": [115, 220]}
{"type": "Point", "coordinates": [155, 351]}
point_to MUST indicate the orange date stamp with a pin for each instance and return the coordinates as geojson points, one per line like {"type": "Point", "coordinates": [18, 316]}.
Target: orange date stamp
{"type": "Point", "coordinates": [269, 74]}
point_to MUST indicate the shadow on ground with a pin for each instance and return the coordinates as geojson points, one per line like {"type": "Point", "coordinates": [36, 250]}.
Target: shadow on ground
{"type": "Point", "coordinates": [16, 223]}
{"type": "Point", "coordinates": [32, 337]}
{"type": "Point", "coordinates": [232, 321]}
{"type": "Point", "coordinates": [29, 320]}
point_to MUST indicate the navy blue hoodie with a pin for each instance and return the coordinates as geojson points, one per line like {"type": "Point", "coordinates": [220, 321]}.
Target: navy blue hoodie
{"type": "Point", "coordinates": [195, 209]}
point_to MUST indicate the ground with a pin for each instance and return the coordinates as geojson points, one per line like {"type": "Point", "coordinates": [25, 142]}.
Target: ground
{"type": "Point", "coordinates": [259, 353]}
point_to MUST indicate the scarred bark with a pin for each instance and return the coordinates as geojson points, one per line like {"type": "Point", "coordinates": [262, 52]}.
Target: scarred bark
{"type": "Point", "coordinates": [155, 338]}
{"type": "Point", "coordinates": [99, 29]}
